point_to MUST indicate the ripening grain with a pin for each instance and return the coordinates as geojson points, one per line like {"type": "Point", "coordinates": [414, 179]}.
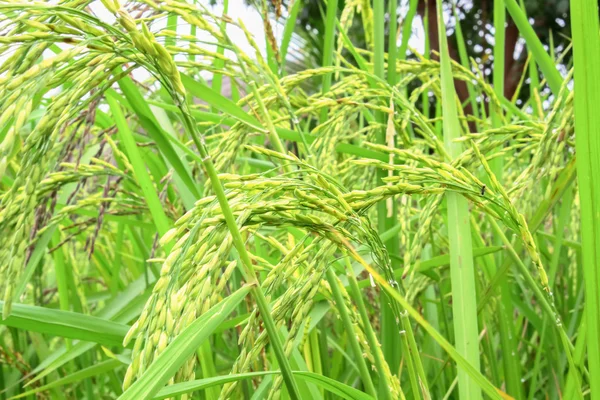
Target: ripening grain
{"type": "Point", "coordinates": [192, 214]}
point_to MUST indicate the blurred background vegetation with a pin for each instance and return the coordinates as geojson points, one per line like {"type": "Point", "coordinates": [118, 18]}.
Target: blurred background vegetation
{"type": "Point", "coordinates": [549, 18]}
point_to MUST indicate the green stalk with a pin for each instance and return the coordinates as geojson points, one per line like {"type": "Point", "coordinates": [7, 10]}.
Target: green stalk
{"type": "Point", "coordinates": [508, 342]}
{"type": "Point", "coordinates": [392, 48]}
{"type": "Point", "coordinates": [406, 33]}
{"type": "Point", "coordinates": [430, 312]}
{"type": "Point", "coordinates": [315, 354]}
{"type": "Point", "coordinates": [171, 25]}
{"type": "Point", "coordinates": [571, 389]}
{"type": "Point", "coordinates": [536, 47]}
{"type": "Point", "coordinates": [247, 269]}
{"type": "Point", "coordinates": [534, 80]}
{"type": "Point", "coordinates": [61, 279]}
{"type": "Point", "coordinates": [462, 272]}
{"type": "Point", "coordinates": [288, 31]}
{"type": "Point", "coordinates": [537, 365]}
{"type": "Point", "coordinates": [207, 365]}
{"type": "Point", "coordinates": [324, 350]}
{"type": "Point", "coordinates": [464, 61]}
{"type": "Point", "coordinates": [563, 220]}
{"type": "Point", "coordinates": [273, 137]}
{"type": "Point", "coordinates": [412, 346]}
{"type": "Point", "coordinates": [410, 366]}
{"type": "Point", "coordinates": [359, 359]}
{"type": "Point", "coordinates": [586, 53]}
{"type": "Point", "coordinates": [139, 168]}
{"type": "Point", "coordinates": [512, 373]}
{"type": "Point", "coordinates": [562, 183]}
{"type": "Point", "coordinates": [313, 348]}
{"type": "Point", "coordinates": [218, 63]}
{"type": "Point", "coordinates": [407, 28]}
{"type": "Point", "coordinates": [328, 45]}
{"type": "Point", "coordinates": [478, 379]}
{"type": "Point", "coordinates": [546, 304]}
{"type": "Point", "coordinates": [384, 387]}
{"type": "Point", "coordinates": [498, 76]}
{"type": "Point", "coordinates": [425, 94]}
{"type": "Point", "coordinates": [379, 38]}
{"type": "Point", "coordinates": [506, 329]}
{"type": "Point", "coordinates": [389, 327]}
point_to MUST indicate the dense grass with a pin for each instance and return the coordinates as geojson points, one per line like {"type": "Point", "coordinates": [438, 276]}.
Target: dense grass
{"type": "Point", "coordinates": [346, 231]}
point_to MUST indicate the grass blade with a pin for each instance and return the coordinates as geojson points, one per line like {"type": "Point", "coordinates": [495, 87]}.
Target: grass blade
{"type": "Point", "coordinates": [360, 360]}
{"type": "Point", "coordinates": [461, 361]}
{"type": "Point", "coordinates": [542, 58]}
{"type": "Point", "coordinates": [345, 391]}
{"type": "Point", "coordinates": [101, 368]}
{"type": "Point", "coordinates": [158, 214]}
{"type": "Point", "coordinates": [288, 31]}
{"type": "Point", "coordinates": [182, 347]}
{"type": "Point", "coordinates": [462, 274]}
{"type": "Point", "coordinates": [66, 324]}
{"type": "Point", "coordinates": [328, 46]}
{"type": "Point", "coordinates": [188, 189]}
{"type": "Point", "coordinates": [586, 51]}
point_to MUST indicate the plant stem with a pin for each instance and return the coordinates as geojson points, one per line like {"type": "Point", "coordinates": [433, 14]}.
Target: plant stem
{"type": "Point", "coordinates": [462, 273]}
{"type": "Point", "coordinates": [359, 359]}
{"type": "Point", "coordinates": [586, 53]}
{"type": "Point", "coordinates": [384, 390]}
{"type": "Point", "coordinates": [542, 297]}
{"type": "Point", "coordinates": [247, 268]}
{"type": "Point", "coordinates": [478, 378]}
{"type": "Point", "coordinates": [536, 47]}
{"type": "Point", "coordinates": [329, 42]}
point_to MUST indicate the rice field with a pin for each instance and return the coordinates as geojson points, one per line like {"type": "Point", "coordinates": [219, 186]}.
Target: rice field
{"type": "Point", "coordinates": [183, 215]}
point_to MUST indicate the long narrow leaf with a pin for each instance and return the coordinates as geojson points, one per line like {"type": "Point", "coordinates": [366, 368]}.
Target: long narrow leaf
{"type": "Point", "coordinates": [586, 50]}
{"type": "Point", "coordinates": [182, 347]}
{"type": "Point", "coordinates": [462, 273]}
{"type": "Point", "coordinates": [142, 176]}
{"type": "Point", "coordinates": [66, 324]}
{"type": "Point", "coordinates": [345, 391]}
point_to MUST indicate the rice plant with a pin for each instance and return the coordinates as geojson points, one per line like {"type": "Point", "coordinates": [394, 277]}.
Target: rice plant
{"type": "Point", "coordinates": [353, 229]}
